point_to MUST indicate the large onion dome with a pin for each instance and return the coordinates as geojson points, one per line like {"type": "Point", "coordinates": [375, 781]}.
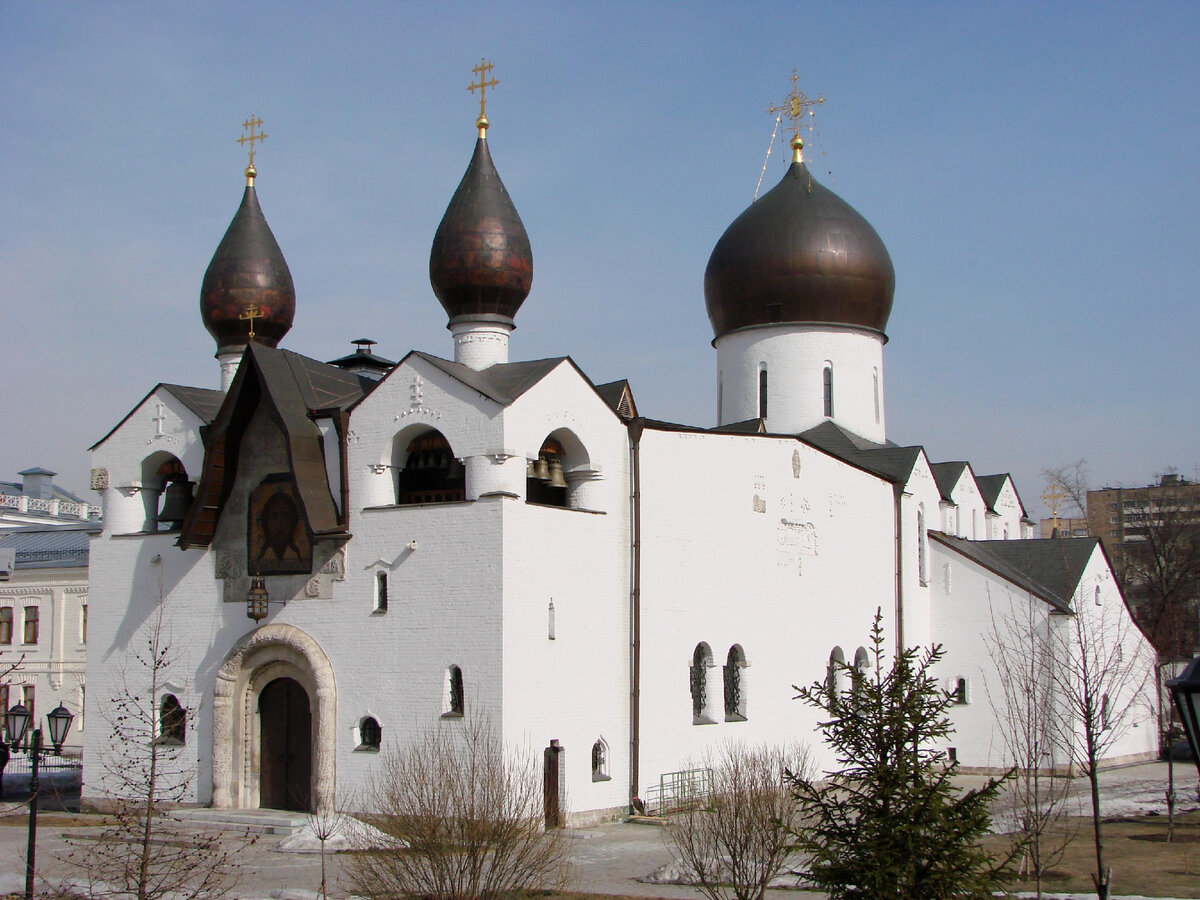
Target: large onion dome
{"type": "Point", "coordinates": [799, 254]}
{"type": "Point", "coordinates": [481, 264]}
{"type": "Point", "coordinates": [248, 270]}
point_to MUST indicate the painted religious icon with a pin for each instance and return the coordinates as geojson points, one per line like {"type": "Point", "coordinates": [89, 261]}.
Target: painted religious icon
{"type": "Point", "coordinates": [278, 538]}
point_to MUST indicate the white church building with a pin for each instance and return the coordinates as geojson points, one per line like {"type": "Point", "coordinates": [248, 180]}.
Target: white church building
{"type": "Point", "coordinates": [349, 553]}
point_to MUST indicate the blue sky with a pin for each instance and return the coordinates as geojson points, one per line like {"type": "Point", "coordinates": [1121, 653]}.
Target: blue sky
{"type": "Point", "coordinates": [1031, 168]}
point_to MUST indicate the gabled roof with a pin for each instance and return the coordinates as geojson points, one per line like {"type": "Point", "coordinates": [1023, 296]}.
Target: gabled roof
{"type": "Point", "coordinates": [205, 403]}
{"type": "Point", "coordinates": [1057, 563]}
{"type": "Point", "coordinates": [747, 426]}
{"type": "Point", "coordinates": [990, 487]}
{"type": "Point", "coordinates": [889, 461]}
{"type": "Point", "coordinates": [1022, 564]}
{"type": "Point", "coordinates": [619, 396]}
{"type": "Point", "coordinates": [201, 401]}
{"type": "Point", "coordinates": [503, 382]}
{"type": "Point", "coordinates": [947, 475]}
{"type": "Point", "coordinates": [294, 389]}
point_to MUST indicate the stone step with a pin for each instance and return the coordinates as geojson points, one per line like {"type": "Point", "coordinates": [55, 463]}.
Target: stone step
{"type": "Point", "coordinates": [256, 821]}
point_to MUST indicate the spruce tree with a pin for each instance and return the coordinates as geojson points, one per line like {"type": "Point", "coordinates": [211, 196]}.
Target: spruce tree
{"type": "Point", "coordinates": [888, 822]}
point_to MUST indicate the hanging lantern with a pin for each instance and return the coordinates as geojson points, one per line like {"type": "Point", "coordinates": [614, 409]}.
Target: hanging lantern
{"type": "Point", "coordinates": [257, 599]}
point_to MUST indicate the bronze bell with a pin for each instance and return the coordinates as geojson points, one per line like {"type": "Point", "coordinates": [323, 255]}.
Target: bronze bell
{"type": "Point", "coordinates": [556, 474]}
{"type": "Point", "coordinates": [541, 470]}
{"type": "Point", "coordinates": [177, 500]}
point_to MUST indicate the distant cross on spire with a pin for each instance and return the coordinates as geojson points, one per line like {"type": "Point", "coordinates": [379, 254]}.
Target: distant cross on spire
{"type": "Point", "coordinates": [250, 124]}
{"type": "Point", "coordinates": [1053, 497]}
{"type": "Point", "coordinates": [251, 313]}
{"type": "Point", "coordinates": [796, 105]}
{"type": "Point", "coordinates": [484, 71]}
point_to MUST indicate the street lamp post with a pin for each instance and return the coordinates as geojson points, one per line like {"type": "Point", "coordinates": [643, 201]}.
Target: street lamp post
{"type": "Point", "coordinates": [16, 722]}
{"type": "Point", "coordinates": [1185, 691]}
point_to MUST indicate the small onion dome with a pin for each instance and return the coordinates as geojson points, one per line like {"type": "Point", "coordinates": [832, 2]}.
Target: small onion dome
{"type": "Point", "coordinates": [799, 254]}
{"type": "Point", "coordinates": [481, 264]}
{"type": "Point", "coordinates": [248, 270]}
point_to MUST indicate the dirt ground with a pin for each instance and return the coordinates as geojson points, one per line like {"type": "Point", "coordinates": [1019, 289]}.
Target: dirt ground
{"type": "Point", "coordinates": [1143, 863]}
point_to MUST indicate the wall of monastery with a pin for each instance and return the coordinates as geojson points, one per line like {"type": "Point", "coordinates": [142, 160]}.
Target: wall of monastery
{"type": "Point", "coordinates": [764, 543]}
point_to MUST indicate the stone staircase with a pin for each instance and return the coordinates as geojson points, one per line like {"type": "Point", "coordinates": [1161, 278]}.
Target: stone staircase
{"type": "Point", "coordinates": [255, 821]}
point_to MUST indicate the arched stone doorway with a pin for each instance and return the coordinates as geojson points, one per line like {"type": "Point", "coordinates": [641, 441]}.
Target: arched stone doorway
{"type": "Point", "coordinates": [275, 686]}
{"type": "Point", "coordinates": [285, 746]}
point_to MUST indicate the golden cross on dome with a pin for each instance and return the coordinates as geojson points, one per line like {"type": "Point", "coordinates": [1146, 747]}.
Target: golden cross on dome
{"type": "Point", "coordinates": [251, 313]}
{"type": "Point", "coordinates": [483, 70]}
{"type": "Point", "coordinates": [251, 123]}
{"type": "Point", "coordinates": [796, 105]}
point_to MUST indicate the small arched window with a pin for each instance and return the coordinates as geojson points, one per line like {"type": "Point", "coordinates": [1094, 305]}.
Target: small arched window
{"type": "Point", "coordinates": [862, 664]}
{"type": "Point", "coordinates": [835, 674]}
{"type": "Point", "coordinates": [370, 735]}
{"type": "Point", "coordinates": [600, 761]}
{"type": "Point", "coordinates": [961, 695]}
{"type": "Point", "coordinates": [172, 720]}
{"type": "Point", "coordinates": [875, 388]}
{"type": "Point", "coordinates": [453, 707]}
{"type": "Point", "coordinates": [827, 389]}
{"type": "Point", "coordinates": [735, 686]}
{"type": "Point", "coordinates": [701, 662]}
{"type": "Point", "coordinates": [762, 392]}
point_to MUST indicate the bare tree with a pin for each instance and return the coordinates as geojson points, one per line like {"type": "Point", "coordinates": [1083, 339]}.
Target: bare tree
{"type": "Point", "coordinates": [148, 773]}
{"type": "Point", "coordinates": [1023, 699]}
{"type": "Point", "coordinates": [1100, 674]}
{"type": "Point", "coordinates": [466, 814]}
{"type": "Point", "coordinates": [740, 839]}
{"type": "Point", "coordinates": [1070, 483]}
{"type": "Point", "coordinates": [325, 824]}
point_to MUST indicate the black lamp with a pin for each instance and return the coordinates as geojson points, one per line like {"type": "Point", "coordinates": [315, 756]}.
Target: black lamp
{"type": "Point", "coordinates": [1185, 691]}
{"type": "Point", "coordinates": [60, 723]}
{"type": "Point", "coordinates": [16, 723]}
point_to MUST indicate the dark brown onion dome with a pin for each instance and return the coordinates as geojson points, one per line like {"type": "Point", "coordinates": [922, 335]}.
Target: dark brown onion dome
{"type": "Point", "coordinates": [799, 254]}
{"type": "Point", "coordinates": [247, 270]}
{"type": "Point", "coordinates": [481, 264]}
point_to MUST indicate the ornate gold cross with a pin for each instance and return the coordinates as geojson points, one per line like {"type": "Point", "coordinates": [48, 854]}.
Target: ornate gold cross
{"type": "Point", "coordinates": [796, 105]}
{"type": "Point", "coordinates": [483, 70]}
{"type": "Point", "coordinates": [251, 123]}
{"type": "Point", "coordinates": [250, 314]}
{"type": "Point", "coordinates": [1053, 496]}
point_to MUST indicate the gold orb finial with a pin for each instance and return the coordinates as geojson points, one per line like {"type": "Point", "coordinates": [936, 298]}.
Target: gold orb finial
{"type": "Point", "coordinates": [483, 70]}
{"type": "Point", "coordinates": [251, 124]}
{"type": "Point", "coordinates": [797, 148]}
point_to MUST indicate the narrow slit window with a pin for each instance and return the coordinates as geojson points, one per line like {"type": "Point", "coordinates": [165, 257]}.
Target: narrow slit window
{"type": "Point", "coordinates": [762, 392]}
{"type": "Point", "coordinates": [381, 592]}
{"type": "Point", "coordinates": [827, 389]}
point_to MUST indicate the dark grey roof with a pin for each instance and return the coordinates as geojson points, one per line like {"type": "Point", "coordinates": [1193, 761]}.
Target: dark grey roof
{"type": "Point", "coordinates": [748, 426]}
{"type": "Point", "coordinates": [1049, 569]}
{"type": "Point", "coordinates": [202, 401]}
{"type": "Point", "coordinates": [990, 487]}
{"type": "Point", "coordinates": [947, 474]}
{"type": "Point", "coordinates": [43, 548]}
{"type": "Point", "coordinates": [503, 382]}
{"type": "Point", "coordinates": [619, 396]}
{"type": "Point", "coordinates": [1057, 563]}
{"type": "Point", "coordinates": [888, 460]}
